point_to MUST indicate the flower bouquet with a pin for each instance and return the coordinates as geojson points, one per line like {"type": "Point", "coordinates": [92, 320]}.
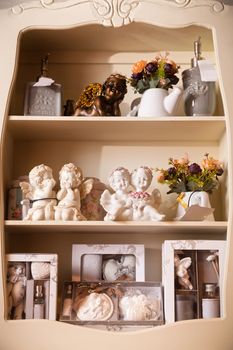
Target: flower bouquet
{"type": "Point", "coordinates": [182, 176]}
{"type": "Point", "coordinates": [157, 73]}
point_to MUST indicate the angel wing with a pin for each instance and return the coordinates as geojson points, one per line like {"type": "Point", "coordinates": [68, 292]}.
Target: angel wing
{"type": "Point", "coordinates": [185, 262]}
{"type": "Point", "coordinates": [86, 187]}
{"type": "Point", "coordinates": [106, 201]}
{"type": "Point", "coordinates": [156, 198]}
{"type": "Point", "coordinates": [88, 95]}
{"type": "Point", "coordinates": [182, 266]}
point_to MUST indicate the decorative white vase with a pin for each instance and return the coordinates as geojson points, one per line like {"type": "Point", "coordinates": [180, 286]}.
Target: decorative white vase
{"type": "Point", "coordinates": [156, 102]}
{"type": "Point", "coordinates": [190, 198]}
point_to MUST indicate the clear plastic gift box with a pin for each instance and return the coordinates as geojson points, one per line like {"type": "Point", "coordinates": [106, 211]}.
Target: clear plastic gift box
{"type": "Point", "coordinates": [109, 304]}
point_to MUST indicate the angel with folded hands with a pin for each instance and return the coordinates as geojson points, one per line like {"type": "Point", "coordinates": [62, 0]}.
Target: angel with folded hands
{"type": "Point", "coordinates": [119, 204]}
{"type": "Point", "coordinates": [73, 188]}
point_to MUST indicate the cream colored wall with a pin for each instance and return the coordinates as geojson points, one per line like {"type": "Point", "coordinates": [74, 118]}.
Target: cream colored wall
{"type": "Point", "coordinates": [195, 334]}
{"type": "Point", "coordinates": [87, 66]}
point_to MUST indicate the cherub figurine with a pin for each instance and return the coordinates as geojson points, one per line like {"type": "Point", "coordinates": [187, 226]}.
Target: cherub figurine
{"type": "Point", "coordinates": [39, 192]}
{"type": "Point", "coordinates": [69, 196]}
{"type": "Point", "coordinates": [181, 268]}
{"type": "Point", "coordinates": [16, 287]}
{"type": "Point", "coordinates": [118, 205]}
{"type": "Point", "coordinates": [213, 259]}
{"type": "Point", "coordinates": [145, 205]}
{"type": "Point", "coordinates": [98, 100]}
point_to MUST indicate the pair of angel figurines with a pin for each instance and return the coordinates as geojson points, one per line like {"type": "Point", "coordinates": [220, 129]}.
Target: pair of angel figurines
{"type": "Point", "coordinates": [41, 202]}
{"type": "Point", "coordinates": [126, 204]}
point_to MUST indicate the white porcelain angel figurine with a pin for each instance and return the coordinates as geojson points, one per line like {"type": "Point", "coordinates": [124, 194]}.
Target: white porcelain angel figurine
{"type": "Point", "coordinates": [72, 189]}
{"type": "Point", "coordinates": [145, 205]}
{"type": "Point", "coordinates": [119, 269]}
{"type": "Point", "coordinates": [181, 270]}
{"type": "Point", "coordinates": [213, 259]}
{"type": "Point", "coordinates": [39, 192]}
{"type": "Point", "coordinates": [118, 205]}
{"type": "Point", "coordinates": [16, 288]}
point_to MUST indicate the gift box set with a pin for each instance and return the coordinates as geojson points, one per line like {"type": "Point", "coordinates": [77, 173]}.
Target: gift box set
{"type": "Point", "coordinates": [193, 279]}
{"type": "Point", "coordinates": [108, 286]}
{"type": "Point", "coordinates": [122, 303]}
{"type": "Point", "coordinates": [31, 286]}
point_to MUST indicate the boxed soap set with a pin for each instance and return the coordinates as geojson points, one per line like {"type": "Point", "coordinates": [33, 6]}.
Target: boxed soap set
{"type": "Point", "coordinates": [31, 286]}
{"type": "Point", "coordinates": [103, 303]}
{"type": "Point", "coordinates": [193, 279]}
{"type": "Point", "coordinates": [108, 288]}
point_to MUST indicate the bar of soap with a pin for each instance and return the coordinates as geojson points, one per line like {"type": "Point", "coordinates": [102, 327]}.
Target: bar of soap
{"type": "Point", "coordinates": [95, 307]}
{"type": "Point", "coordinates": [139, 307]}
{"type": "Point", "coordinates": [40, 270]}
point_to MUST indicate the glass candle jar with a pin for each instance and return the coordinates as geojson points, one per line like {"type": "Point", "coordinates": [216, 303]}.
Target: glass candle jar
{"type": "Point", "coordinates": [210, 301]}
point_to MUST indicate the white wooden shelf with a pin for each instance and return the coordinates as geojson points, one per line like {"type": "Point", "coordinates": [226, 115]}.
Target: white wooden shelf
{"type": "Point", "coordinates": [117, 128]}
{"type": "Point", "coordinates": [120, 227]}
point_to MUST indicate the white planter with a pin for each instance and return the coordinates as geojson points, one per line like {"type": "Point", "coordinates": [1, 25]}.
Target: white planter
{"type": "Point", "coordinates": [190, 198]}
{"type": "Point", "coordinates": [156, 102]}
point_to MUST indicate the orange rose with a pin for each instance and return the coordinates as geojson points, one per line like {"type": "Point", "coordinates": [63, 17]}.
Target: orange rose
{"type": "Point", "coordinates": [138, 67]}
{"type": "Point", "coordinates": [161, 178]}
{"type": "Point", "coordinates": [212, 164]}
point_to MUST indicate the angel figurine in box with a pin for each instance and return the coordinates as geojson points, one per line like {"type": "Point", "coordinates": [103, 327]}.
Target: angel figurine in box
{"type": "Point", "coordinates": [181, 270]}
{"type": "Point", "coordinates": [16, 289]}
{"type": "Point", "coordinates": [118, 205]}
{"type": "Point", "coordinates": [72, 189]}
{"type": "Point", "coordinates": [40, 197]}
{"type": "Point", "coordinates": [145, 206]}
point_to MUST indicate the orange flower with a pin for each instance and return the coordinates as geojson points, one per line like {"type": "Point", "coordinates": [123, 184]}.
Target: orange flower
{"type": "Point", "coordinates": [138, 67]}
{"type": "Point", "coordinates": [184, 160]}
{"type": "Point", "coordinates": [161, 178]}
{"type": "Point", "coordinates": [211, 164]}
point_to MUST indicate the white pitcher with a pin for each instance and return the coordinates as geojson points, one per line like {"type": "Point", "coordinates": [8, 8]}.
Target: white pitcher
{"type": "Point", "coordinates": [156, 102]}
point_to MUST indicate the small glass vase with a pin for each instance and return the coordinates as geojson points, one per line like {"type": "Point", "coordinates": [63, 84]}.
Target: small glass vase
{"type": "Point", "coordinates": [189, 198]}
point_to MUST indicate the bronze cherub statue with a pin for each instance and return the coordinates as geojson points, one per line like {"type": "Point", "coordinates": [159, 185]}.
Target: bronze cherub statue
{"type": "Point", "coordinates": [102, 100]}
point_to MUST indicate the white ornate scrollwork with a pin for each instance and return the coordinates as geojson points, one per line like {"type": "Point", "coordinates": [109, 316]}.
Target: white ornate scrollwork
{"type": "Point", "coordinates": [116, 12]}
{"type": "Point", "coordinates": [214, 5]}
{"type": "Point", "coordinates": [48, 4]}
{"type": "Point", "coordinates": [112, 12]}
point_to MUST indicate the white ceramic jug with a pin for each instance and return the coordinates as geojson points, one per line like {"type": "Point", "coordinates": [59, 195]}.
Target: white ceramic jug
{"type": "Point", "coordinates": [156, 102]}
{"type": "Point", "coordinates": [190, 198]}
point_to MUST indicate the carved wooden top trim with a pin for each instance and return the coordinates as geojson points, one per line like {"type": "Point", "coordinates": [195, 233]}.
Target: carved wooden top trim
{"type": "Point", "coordinates": [116, 12]}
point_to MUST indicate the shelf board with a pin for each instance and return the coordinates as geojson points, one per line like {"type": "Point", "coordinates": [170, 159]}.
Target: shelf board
{"type": "Point", "coordinates": [121, 227]}
{"type": "Point", "coordinates": [116, 128]}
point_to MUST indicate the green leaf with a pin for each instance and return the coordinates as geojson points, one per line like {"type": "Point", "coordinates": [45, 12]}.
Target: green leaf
{"type": "Point", "coordinates": [153, 83]}
{"type": "Point", "coordinates": [142, 86]}
{"type": "Point", "coordinates": [178, 187]}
